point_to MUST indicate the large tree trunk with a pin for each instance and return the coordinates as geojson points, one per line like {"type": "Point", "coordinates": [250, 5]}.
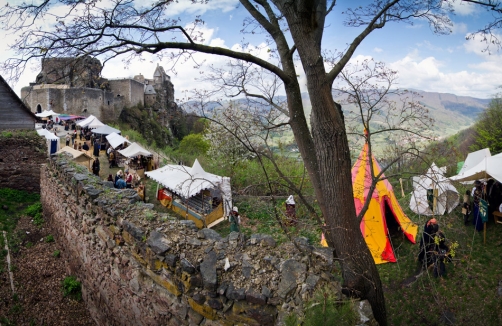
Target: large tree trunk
{"type": "Point", "coordinates": [333, 183]}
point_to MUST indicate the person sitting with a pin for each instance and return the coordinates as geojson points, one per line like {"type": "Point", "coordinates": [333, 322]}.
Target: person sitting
{"type": "Point", "coordinates": [85, 147]}
{"type": "Point", "coordinates": [128, 179]}
{"type": "Point", "coordinates": [121, 184]}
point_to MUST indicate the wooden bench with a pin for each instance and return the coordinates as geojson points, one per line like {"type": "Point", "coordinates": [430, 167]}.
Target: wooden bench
{"type": "Point", "coordinates": [496, 216]}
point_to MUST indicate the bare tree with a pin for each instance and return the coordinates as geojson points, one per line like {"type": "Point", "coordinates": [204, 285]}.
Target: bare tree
{"type": "Point", "coordinates": [112, 28]}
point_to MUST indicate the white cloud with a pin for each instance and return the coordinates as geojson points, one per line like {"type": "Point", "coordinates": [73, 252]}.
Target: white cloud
{"type": "Point", "coordinates": [378, 50]}
{"type": "Point", "coordinates": [429, 74]}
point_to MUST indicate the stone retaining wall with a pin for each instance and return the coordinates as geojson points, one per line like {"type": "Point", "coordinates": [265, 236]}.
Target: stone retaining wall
{"type": "Point", "coordinates": [141, 267]}
{"type": "Point", "coordinates": [22, 152]}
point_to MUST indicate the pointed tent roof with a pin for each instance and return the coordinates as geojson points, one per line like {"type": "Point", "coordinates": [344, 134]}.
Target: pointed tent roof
{"type": "Point", "coordinates": [47, 134]}
{"type": "Point", "coordinates": [91, 122]}
{"type": "Point", "coordinates": [487, 167]}
{"type": "Point", "coordinates": [374, 223]}
{"type": "Point", "coordinates": [46, 113]}
{"type": "Point", "coordinates": [447, 194]}
{"type": "Point", "coordinates": [184, 180]}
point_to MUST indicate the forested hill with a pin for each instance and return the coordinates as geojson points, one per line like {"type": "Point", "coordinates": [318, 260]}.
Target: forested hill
{"type": "Point", "coordinates": [450, 112]}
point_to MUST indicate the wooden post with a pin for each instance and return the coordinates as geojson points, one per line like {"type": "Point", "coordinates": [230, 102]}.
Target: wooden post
{"type": "Point", "coordinates": [484, 233]}
{"type": "Point", "coordinates": [401, 182]}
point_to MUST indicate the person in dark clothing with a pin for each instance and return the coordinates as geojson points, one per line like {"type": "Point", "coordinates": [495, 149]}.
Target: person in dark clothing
{"type": "Point", "coordinates": [95, 166]}
{"type": "Point", "coordinates": [477, 195]}
{"type": "Point", "coordinates": [96, 147]}
{"type": "Point", "coordinates": [438, 254]}
{"type": "Point", "coordinates": [430, 229]}
{"type": "Point", "coordinates": [85, 147]}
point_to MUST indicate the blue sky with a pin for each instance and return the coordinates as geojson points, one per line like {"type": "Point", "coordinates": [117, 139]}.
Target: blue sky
{"type": "Point", "coordinates": [425, 61]}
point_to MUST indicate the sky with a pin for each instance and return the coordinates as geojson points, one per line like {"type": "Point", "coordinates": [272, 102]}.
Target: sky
{"type": "Point", "coordinates": [425, 61]}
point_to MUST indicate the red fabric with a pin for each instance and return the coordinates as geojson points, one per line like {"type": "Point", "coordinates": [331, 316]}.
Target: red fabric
{"type": "Point", "coordinates": [163, 195]}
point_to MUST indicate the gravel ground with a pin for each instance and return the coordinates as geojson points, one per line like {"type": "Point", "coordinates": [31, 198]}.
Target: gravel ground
{"type": "Point", "coordinates": [38, 276]}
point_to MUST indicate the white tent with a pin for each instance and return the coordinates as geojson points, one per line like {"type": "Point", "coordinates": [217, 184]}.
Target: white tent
{"type": "Point", "coordinates": [116, 140]}
{"type": "Point", "coordinates": [488, 167]}
{"type": "Point", "coordinates": [134, 150]}
{"type": "Point", "coordinates": [46, 114]}
{"type": "Point", "coordinates": [446, 198]}
{"type": "Point", "coordinates": [189, 181]}
{"type": "Point", "coordinates": [105, 130]}
{"type": "Point", "coordinates": [51, 139]}
{"type": "Point", "coordinates": [90, 122]}
{"type": "Point", "coordinates": [474, 158]}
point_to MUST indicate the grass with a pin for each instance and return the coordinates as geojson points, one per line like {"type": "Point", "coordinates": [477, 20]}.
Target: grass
{"type": "Point", "coordinates": [467, 294]}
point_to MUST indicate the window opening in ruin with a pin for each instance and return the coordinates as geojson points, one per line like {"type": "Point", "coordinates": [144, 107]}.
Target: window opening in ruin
{"type": "Point", "coordinates": [39, 108]}
{"type": "Point", "coordinates": [108, 102]}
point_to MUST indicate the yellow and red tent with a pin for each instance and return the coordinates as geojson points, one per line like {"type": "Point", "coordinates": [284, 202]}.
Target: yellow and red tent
{"type": "Point", "coordinates": [384, 211]}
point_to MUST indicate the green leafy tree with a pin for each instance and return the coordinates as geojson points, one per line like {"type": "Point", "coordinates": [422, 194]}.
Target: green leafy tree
{"type": "Point", "coordinates": [488, 127]}
{"type": "Point", "coordinates": [194, 145]}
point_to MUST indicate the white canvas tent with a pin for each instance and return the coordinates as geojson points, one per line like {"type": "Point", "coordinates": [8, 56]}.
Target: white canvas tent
{"type": "Point", "coordinates": [488, 167]}
{"type": "Point", "coordinates": [134, 150]}
{"type": "Point", "coordinates": [51, 139]}
{"type": "Point", "coordinates": [474, 158]}
{"type": "Point", "coordinates": [46, 114]}
{"type": "Point", "coordinates": [116, 140]}
{"type": "Point", "coordinates": [189, 181]}
{"type": "Point", "coordinates": [90, 122]}
{"type": "Point", "coordinates": [105, 130]}
{"type": "Point", "coordinates": [434, 179]}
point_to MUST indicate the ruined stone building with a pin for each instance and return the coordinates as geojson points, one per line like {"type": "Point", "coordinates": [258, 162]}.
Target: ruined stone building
{"type": "Point", "coordinates": [75, 86]}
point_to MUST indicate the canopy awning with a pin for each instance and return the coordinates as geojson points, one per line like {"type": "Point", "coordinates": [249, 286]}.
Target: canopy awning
{"type": "Point", "coordinates": [46, 113]}
{"type": "Point", "coordinates": [105, 130]}
{"type": "Point", "coordinates": [116, 140]}
{"type": "Point", "coordinates": [47, 134]}
{"type": "Point", "coordinates": [65, 117]}
{"type": "Point", "coordinates": [185, 181]}
{"type": "Point", "coordinates": [90, 122]}
{"type": "Point", "coordinates": [474, 158]}
{"type": "Point", "coordinates": [489, 167]}
{"type": "Point", "coordinates": [134, 150]}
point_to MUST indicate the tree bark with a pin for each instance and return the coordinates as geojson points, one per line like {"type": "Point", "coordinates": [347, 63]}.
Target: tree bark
{"type": "Point", "coordinates": [332, 152]}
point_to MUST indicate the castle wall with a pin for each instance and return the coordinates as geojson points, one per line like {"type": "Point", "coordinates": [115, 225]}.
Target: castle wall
{"type": "Point", "coordinates": [141, 267]}
{"type": "Point", "coordinates": [130, 89]}
{"type": "Point", "coordinates": [78, 101]}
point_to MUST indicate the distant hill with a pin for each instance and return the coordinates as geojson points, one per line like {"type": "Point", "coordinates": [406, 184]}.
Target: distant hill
{"type": "Point", "coordinates": [450, 112]}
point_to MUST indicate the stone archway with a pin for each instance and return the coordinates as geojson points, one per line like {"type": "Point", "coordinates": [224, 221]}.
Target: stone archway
{"type": "Point", "coordinates": [39, 108]}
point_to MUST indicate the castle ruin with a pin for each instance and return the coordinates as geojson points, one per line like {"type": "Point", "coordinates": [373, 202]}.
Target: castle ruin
{"type": "Point", "coordinates": [75, 86]}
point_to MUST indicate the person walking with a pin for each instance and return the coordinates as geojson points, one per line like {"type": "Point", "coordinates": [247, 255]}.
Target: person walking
{"type": "Point", "coordinates": [95, 166]}
{"type": "Point", "coordinates": [67, 137]}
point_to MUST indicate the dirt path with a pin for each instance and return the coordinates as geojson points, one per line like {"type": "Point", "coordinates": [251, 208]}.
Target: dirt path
{"type": "Point", "coordinates": [38, 275]}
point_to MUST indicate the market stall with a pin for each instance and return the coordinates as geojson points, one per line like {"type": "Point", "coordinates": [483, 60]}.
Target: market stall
{"type": "Point", "coordinates": [200, 196]}
{"type": "Point", "coordinates": [137, 158]}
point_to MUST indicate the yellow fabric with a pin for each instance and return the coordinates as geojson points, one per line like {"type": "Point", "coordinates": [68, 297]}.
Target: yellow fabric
{"type": "Point", "coordinates": [373, 224]}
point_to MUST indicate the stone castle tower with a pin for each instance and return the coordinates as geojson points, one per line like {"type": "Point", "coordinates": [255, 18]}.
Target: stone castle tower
{"type": "Point", "coordinates": [75, 86]}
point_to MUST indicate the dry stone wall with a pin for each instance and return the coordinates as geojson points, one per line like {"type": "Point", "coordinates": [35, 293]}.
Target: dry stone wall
{"type": "Point", "coordinates": [141, 267]}
{"type": "Point", "coordinates": [22, 153]}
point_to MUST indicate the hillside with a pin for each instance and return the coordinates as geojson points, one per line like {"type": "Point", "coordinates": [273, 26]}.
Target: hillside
{"type": "Point", "coordinates": [450, 112]}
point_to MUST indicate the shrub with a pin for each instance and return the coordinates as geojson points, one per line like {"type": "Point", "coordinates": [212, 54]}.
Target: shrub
{"type": "Point", "coordinates": [56, 253]}
{"type": "Point", "coordinates": [72, 287]}
{"type": "Point", "coordinates": [49, 238]}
